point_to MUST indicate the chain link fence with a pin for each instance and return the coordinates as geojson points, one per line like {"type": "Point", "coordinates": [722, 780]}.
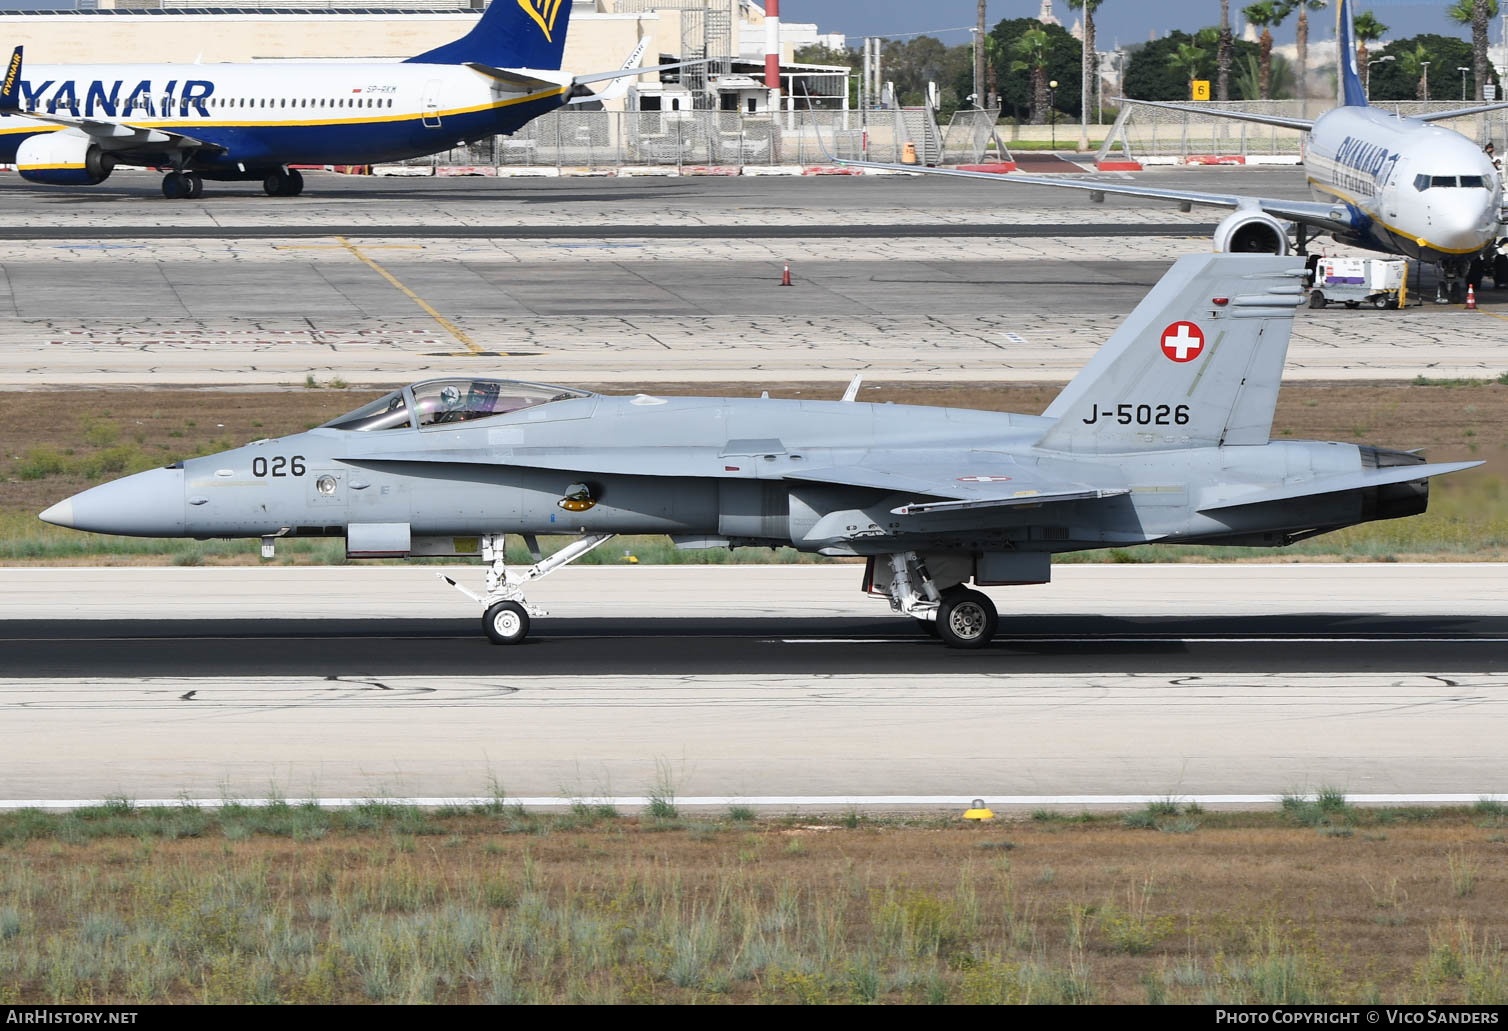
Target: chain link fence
{"type": "Point", "coordinates": [610, 140]}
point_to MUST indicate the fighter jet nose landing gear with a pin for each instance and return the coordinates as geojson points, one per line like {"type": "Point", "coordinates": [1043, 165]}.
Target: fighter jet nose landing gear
{"type": "Point", "coordinates": [507, 615]}
{"type": "Point", "coordinates": [966, 619]}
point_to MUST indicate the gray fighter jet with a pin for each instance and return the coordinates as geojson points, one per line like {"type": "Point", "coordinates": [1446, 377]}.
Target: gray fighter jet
{"type": "Point", "coordinates": [1163, 436]}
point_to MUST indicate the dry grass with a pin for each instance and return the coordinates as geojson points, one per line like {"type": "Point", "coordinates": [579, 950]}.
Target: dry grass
{"type": "Point", "coordinates": [56, 443]}
{"type": "Point", "coordinates": [387, 904]}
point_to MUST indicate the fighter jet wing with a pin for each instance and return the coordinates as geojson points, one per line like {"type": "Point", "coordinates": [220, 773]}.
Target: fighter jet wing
{"type": "Point", "coordinates": [1334, 217]}
{"type": "Point", "coordinates": [951, 482]}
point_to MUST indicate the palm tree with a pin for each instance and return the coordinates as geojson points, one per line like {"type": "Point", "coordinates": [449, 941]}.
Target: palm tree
{"type": "Point", "coordinates": [1367, 30]}
{"type": "Point", "coordinates": [1032, 46]}
{"type": "Point", "coordinates": [1086, 91]}
{"type": "Point", "coordinates": [1189, 59]}
{"type": "Point", "coordinates": [1476, 13]}
{"type": "Point", "coordinates": [1223, 54]}
{"type": "Point", "coordinates": [1303, 7]}
{"type": "Point", "coordinates": [1269, 14]}
{"type": "Point", "coordinates": [1415, 64]}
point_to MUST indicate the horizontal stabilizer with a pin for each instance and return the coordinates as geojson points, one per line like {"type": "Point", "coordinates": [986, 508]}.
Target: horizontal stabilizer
{"type": "Point", "coordinates": [1336, 484]}
{"type": "Point", "coordinates": [514, 79]}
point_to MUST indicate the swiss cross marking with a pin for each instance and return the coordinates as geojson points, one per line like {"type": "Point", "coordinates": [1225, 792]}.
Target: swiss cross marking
{"type": "Point", "coordinates": [1182, 341]}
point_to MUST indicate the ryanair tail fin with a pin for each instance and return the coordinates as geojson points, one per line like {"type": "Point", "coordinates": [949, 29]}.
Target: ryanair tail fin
{"type": "Point", "coordinates": [1198, 363]}
{"type": "Point", "coordinates": [511, 34]}
{"type": "Point", "coordinates": [10, 90]}
{"type": "Point", "coordinates": [1347, 78]}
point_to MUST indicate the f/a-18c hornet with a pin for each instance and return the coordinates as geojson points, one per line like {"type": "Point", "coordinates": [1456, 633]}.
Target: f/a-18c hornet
{"type": "Point", "coordinates": [1380, 182]}
{"type": "Point", "coordinates": [1162, 437]}
{"type": "Point", "coordinates": [70, 125]}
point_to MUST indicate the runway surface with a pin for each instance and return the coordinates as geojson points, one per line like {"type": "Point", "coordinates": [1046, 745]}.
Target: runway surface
{"type": "Point", "coordinates": [379, 281]}
{"type": "Point", "coordinates": [751, 681]}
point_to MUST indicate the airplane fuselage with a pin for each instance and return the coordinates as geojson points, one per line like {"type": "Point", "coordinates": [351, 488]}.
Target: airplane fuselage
{"type": "Point", "coordinates": [255, 116]}
{"type": "Point", "coordinates": [1422, 190]}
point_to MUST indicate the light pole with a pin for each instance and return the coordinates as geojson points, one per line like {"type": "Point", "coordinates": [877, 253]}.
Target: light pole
{"type": "Point", "coordinates": [1426, 65]}
{"type": "Point", "coordinates": [1052, 111]}
{"type": "Point", "coordinates": [1463, 72]}
{"type": "Point", "coordinates": [974, 36]}
{"type": "Point", "coordinates": [1380, 60]}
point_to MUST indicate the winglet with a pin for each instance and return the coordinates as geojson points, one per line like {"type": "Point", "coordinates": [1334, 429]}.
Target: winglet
{"type": "Point", "coordinates": [1348, 78]}
{"type": "Point", "coordinates": [10, 91]}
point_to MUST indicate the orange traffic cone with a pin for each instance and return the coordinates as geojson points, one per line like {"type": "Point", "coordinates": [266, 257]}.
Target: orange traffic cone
{"type": "Point", "coordinates": [785, 280]}
{"type": "Point", "coordinates": [1471, 297]}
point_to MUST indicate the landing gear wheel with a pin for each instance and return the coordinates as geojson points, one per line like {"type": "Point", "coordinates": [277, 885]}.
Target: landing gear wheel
{"type": "Point", "coordinates": [1500, 271]}
{"type": "Point", "coordinates": [175, 186]}
{"type": "Point", "coordinates": [966, 619]}
{"type": "Point", "coordinates": [1316, 300]}
{"type": "Point", "coordinates": [284, 184]}
{"type": "Point", "coordinates": [195, 184]}
{"type": "Point", "coordinates": [506, 623]}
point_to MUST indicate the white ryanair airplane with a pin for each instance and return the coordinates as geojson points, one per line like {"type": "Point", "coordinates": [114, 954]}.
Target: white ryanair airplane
{"type": "Point", "coordinates": [69, 125]}
{"type": "Point", "coordinates": [1396, 185]}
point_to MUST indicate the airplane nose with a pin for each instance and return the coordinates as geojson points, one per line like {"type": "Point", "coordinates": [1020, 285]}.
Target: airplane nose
{"type": "Point", "coordinates": [148, 504]}
{"type": "Point", "coordinates": [1464, 226]}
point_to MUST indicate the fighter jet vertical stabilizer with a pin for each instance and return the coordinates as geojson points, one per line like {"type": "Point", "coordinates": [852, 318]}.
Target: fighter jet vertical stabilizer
{"type": "Point", "coordinates": [1198, 362]}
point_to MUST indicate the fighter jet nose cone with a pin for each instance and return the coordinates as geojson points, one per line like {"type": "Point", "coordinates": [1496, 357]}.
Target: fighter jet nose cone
{"type": "Point", "coordinates": [148, 504]}
{"type": "Point", "coordinates": [60, 514]}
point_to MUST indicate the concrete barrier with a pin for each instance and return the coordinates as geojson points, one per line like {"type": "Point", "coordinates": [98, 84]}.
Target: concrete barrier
{"type": "Point", "coordinates": [403, 170]}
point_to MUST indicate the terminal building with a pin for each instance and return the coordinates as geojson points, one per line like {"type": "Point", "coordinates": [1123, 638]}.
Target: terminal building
{"type": "Point", "coordinates": [731, 33]}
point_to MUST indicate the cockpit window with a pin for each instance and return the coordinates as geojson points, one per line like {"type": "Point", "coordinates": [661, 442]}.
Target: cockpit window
{"type": "Point", "coordinates": [385, 413]}
{"type": "Point", "coordinates": [1421, 182]}
{"type": "Point", "coordinates": [440, 402]}
{"type": "Point", "coordinates": [1442, 180]}
{"type": "Point", "coordinates": [1477, 181]}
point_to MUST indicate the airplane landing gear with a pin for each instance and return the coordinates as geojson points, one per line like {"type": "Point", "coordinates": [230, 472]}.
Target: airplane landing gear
{"type": "Point", "coordinates": [289, 183]}
{"type": "Point", "coordinates": [956, 615]}
{"type": "Point", "coordinates": [966, 618]}
{"type": "Point", "coordinates": [182, 186]}
{"type": "Point", "coordinates": [507, 616]}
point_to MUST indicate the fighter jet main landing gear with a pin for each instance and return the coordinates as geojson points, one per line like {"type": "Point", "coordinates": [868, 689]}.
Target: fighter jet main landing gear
{"type": "Point", "coordinates": [507, 612]}
{"type": "Point", "coordinates": [956, 615]}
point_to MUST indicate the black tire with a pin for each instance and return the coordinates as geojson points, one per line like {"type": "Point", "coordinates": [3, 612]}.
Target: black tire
{"type": "Point", "coordinates": [274, 184]}
{"type": "Point", "coordinates": [195, 183]}
{"type": "Point", "coordinates": [295, 183]}
{"type": "Point", "coordinates": [1500, 271]}
{"type": "Point", "coordinates": [506, 622]}
{"type": "Point", "coordinates": [966, 619]}
{"type": "Point", "coordinates": [1316, 299]}
{"type": "Point", "coordinates": [174, 186]}
{"type": "Point", "coordinates": [1382, 302]}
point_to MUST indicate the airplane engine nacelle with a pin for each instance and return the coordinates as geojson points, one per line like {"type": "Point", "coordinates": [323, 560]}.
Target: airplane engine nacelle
{"type": "Point", "coordinates": [63, 159]}
{"type": "Point", "coordinates": [1251, 232]}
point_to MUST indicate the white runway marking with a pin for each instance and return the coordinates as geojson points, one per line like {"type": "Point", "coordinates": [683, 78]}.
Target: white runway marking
{"type": "Point", "coordinates": [773, 801]}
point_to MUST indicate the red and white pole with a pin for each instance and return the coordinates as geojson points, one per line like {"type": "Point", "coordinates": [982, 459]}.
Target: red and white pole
{"type": "Point", "coordinates": [772, 52]}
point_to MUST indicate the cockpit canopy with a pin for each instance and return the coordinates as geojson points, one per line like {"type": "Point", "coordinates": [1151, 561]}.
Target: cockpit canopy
{"type": "Point", "coordinates": [439, 402]}
{"type": "Point", "coordinates": [1470, 182]}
